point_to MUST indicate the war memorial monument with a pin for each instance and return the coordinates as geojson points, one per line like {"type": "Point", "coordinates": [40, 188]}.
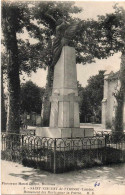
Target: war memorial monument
{"type": "Point", "coordinates": [64, 115]}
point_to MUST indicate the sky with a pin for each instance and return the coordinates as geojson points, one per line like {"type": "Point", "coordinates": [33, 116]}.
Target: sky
{"type": "Point", "coordinates": [91, 10]}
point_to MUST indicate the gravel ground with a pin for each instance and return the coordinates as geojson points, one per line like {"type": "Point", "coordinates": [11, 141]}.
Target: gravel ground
{"type": "Point", "coordinates": [17, 179]}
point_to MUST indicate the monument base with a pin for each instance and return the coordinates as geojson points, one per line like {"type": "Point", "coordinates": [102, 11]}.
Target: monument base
{"type": "Point", "coordinates": [64, 132]}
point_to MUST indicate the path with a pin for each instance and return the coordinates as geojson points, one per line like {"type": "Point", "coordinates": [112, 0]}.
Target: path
{"type": "Point", "coordinates": [111, 180]}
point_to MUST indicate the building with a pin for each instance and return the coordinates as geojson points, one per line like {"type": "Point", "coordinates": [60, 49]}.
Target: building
{"type": "Point", "coordinates": [109, 103]}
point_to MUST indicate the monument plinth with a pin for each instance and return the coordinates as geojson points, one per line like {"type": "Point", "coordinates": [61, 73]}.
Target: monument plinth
{"type": "Point", "coordinates": [64, 115]}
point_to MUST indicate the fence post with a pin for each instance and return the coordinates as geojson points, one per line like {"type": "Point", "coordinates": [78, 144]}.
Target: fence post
{"type": "Point", "coordinates": [55, 155]}
{"type": "Point", "coordinates": [22, 139]}
{"type": "Point", "coordinates": [105, 148]}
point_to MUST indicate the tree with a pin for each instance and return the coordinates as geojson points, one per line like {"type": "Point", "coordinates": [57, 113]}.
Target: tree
{"type": "Point", "coordinates": [83, 104]}
{"type": "Point", "coordinates": [31, 97]}
{"type": "Point", "coordinates": [3, 112]}
{"type": "Point", "coordinates": [95, 94]}
{"type": "Point", "coordinates": [91, 97]}
{"type": "Point", "coordinates": [113, 40]}
{"type": "Point", "coordinates": [16, 16]}
{"type": "Point", "coordinates": [11, 24]}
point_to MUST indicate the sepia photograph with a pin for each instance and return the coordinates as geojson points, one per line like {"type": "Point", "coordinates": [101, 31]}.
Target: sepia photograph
{"type": "Point", "coordinates": [62, 97]}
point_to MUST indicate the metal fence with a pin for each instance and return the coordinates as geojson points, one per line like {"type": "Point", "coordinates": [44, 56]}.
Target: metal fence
{"type": "Point", "coordinates": [60, 155]}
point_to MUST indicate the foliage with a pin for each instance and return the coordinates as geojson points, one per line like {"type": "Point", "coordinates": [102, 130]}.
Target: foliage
{"type": "Point", "coordinates": [16, 16]}
{"type": "Point", "coordinates": [113, 31]}
{"type": "Point", "coordinates": [94, 39]}
{"type": "Point", "coordinates": [31, 97]}
{"type": "Point", "coordinates": [88, 36]}
{"type": "Point", "coordinates": [91, 97]}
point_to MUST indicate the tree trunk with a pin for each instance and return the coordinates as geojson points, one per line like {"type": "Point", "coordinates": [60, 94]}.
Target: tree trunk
{"type": "Point", "coordinates": [3, 112]}
{"type": "Point", "coordinates": [46, 101]}
{"type": "Point", "coordinates": [13, 112]}
{"type": "Point", "coordinates": [120, 97]}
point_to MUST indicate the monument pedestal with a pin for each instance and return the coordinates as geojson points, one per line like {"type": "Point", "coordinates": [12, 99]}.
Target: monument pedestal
{"type": "Point", "coordinates": [51, 132]}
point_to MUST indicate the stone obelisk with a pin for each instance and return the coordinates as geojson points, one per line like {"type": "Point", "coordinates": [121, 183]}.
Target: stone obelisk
{"type": "Point", "coordinates": [64, 115]}
{"type": "Point", "coordinates": [64, 99]}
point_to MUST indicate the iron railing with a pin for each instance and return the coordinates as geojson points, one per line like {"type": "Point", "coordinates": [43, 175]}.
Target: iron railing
{"type": "Point", "coordinates": [59, 155]}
